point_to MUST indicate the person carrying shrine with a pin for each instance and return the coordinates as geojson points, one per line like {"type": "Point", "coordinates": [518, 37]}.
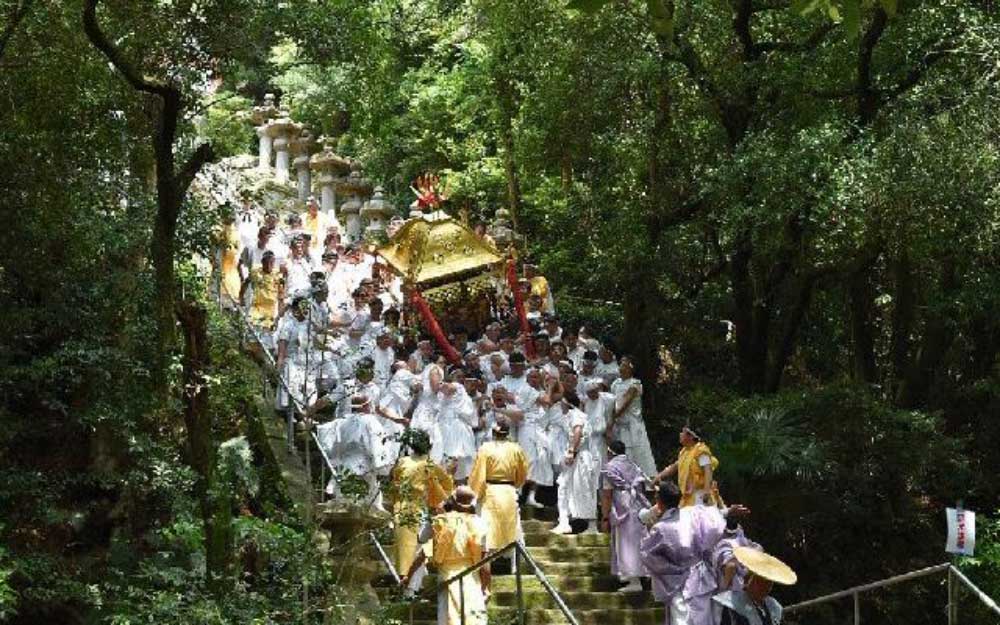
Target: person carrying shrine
{"type": "Point", "coordinates": [498, 473]}
{"type": "Point", "coordinates": [694, 468]}
{"type": "Point", "coordinates": [754, 605]}
{"type": "Point", "coordinates": [459, 540]}
{"type": "Point", "coordinates": [622, 497]}
{"type": "Point", "coordinates": [420, 489]}
{"type": "Point", "coordinates": [456, 417]}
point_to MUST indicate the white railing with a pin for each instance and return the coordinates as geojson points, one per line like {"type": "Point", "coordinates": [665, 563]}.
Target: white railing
{"type": "Point", "coordinates": [954, 577]}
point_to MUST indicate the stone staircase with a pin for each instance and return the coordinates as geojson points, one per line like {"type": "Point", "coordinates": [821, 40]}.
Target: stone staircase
{"type": "Point", "coordinates": [577, 567]}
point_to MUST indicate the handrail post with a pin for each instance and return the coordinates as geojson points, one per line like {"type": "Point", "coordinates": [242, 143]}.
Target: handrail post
{"type": "Point", "coordinates": [857, 609]}
{"type": "Point", "coordinates": [461, 598]}
{"type": "Point", "coordinates": [517, 579]}
{"type": "Point", "coordinates": [952, 604]}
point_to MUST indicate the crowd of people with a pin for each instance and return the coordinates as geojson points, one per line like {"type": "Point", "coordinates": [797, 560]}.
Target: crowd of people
{"type": "Point", "coordinates": [452, 447]}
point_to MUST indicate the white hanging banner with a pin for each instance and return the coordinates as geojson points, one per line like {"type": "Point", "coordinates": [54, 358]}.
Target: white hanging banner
{"type": "Point", "coordinates": [961, 531]}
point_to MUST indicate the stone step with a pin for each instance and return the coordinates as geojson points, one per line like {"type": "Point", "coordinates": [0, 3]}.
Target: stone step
{"type": "Point", "coordinates": [598, 583]}
{"type": "Point", "coordinates": [569, 552]}
{"type": "Point", "coordinates": [580, 601]}
{"type": "Point", "coordinates": [644, 616]}
{"type": "Point", "coordinates": [576, 600]}
{"type": "Point", "coordinates": [548, 539]}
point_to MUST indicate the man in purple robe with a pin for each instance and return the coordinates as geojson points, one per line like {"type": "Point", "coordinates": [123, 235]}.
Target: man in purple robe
{"type": "Point", "coordinates": [677, 553]}
{"type": "Point", "coordinates": [622, 497]}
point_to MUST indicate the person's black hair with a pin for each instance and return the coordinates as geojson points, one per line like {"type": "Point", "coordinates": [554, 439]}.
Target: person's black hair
{"type": "Point", "coordinates": [418, 441]}
{"type": "Point", "coordinates": [617, 447]}
{"type": "Point", "coordinates": [590, 355]}
{"type": "Point", "coordinates": [358, 293]}
{"type": "Point", "coordinates": [572, 398]}
{"type": "Point", "coordinates": [668, 494]}
{"type": "Point", "coordinates": [365, 363]}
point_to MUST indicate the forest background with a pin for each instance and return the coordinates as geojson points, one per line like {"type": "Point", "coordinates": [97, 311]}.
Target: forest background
{"type": "Point", "coordinates": [788, 212]}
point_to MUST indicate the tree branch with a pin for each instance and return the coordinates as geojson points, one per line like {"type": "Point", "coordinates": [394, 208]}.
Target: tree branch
{"type": "Point", "coordinates": [741, 25]}
{"type": "Point", "coordinates": [19, 13]}
{"type": "Point", "coordinates": [204, 154]}
{"type": "Point", "coordinates": [114, 55]}
{"type": "Point", "coordinates": [868, 95]}
{"type": "Point", "coordinates": [806, 45]}
{"type": "Point", "coordinates": [917, 73]}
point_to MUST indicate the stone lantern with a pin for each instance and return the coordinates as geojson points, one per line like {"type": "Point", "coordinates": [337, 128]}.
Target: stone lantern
{"type": "Point", "coordinates": [356, 187]}
{"type": "Point", "coordinates": [415, 211]}
{"type": "Point", "coordinates": [284, 131]}
{"type": "Point", "coordinates": [376, 213]}
{"type": "Point", "coordinates": [329, 168]}
{"type": "Point", "coordinates": [260, 117]}
{"type": "Point", "coordinates": [302, 147]}
{"type": "Point", "coordinates": [501, 229]}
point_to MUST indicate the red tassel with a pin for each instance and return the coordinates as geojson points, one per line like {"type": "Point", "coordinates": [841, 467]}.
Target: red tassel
{"type": "Point", "coordinates": [434, 328]}
{"type": "Point", "coordinates": [529, 344]}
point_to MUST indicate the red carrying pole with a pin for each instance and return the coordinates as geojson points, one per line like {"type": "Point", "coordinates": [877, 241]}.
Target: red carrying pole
{"type": "Point", "coordinates": [529, 345]}
{"type": "Point", "coordinates": [434, 327]}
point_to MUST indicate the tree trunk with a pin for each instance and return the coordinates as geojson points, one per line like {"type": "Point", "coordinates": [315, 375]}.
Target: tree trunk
{"type": "Point", "coordinates": [507, 106]}
{"type": "Point", "coordinates": [751, 321]}
{"type": "Point", "coordinates": [214, 499]}
{"type": "Point", "coordinates": [639, 332]}
{"type": "Point", "coordinates": [783, 343]}
{"type": "Point", "coordinates": [861, 303]}
{"type": "Point", "coordinates": [903, 315]}
{"type": "Point", "coordinates": [938, 335]}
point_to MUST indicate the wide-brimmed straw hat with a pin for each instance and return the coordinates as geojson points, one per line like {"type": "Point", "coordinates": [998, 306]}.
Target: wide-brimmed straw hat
{"type": "Point", "coordinates": [766, 566]}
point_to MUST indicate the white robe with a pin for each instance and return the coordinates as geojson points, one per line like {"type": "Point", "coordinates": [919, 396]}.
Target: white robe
{"type": "Point", "coordinates": [578, 481]}
{"type": "Point", "coordinates": [631, 429]}
{"type": "Point", "coordinates": [599, 412]}
{"type": "Point", "coordinates": [456, 418]}
{"type": "Point", "coordinates": [383, 365]}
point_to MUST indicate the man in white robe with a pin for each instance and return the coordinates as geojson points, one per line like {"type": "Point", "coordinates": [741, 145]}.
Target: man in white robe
{"type": "Point", "coordinates": [383, 356]}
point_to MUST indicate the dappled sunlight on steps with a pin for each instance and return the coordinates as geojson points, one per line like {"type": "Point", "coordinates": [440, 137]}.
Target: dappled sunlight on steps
{"type": "Point", "coordinates": [577, 566]}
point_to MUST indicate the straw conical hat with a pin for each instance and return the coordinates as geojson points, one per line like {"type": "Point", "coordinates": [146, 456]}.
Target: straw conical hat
{"type": "Point", "coordinates": [763, 565]}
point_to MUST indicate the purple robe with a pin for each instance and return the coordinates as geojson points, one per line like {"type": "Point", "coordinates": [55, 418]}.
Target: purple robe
{"type": "Point", "coordinates": [677, 553]}
{"type": "Point", "coordinates": [627, 483]}
{"type": "Point", "coordinates": [723, 553]}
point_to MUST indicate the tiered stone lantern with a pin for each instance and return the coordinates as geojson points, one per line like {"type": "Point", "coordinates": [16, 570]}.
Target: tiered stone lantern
{"type": "Point", "coordinates": [330, 169]}
{"type": "Point", "coordinates": [302, 148]}
{"type": "Point", "coordinates": [356, 187]}
{"type": "Point", "coordinates": [415, 211]}
{"type": "Point", "coordinates": [501, 230]}
{"type": "Point", "coordinates": [261, 117]}
{"type": "Point", "coordinates": [284, 131]}
{"type": "Point", "coordinates": [376, 213]}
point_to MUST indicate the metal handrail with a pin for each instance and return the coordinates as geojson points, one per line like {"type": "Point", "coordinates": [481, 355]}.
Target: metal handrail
{"type": "Point", "coordinates": [520, 553]}
{"type": "Point", "coordinates": [385, 557]}
{"type": "Point", "coordinates": [855, 592]}
{"type": "Point", "coordinates": [327, 462]}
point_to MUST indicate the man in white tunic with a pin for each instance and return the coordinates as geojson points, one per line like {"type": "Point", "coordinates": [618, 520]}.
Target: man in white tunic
{"type": "Point", "coordinates": [355, 448]}
{"type": "Point", "coordinates": [626, 423]}
{"type": "Point", "coordinates": [383, 356]}
{"type": "Point", "coordinates": [599, 407]}
{"type": "Point", "coordinates": [577, 497]}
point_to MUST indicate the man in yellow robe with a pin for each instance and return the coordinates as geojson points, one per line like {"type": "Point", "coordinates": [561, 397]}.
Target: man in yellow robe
{"type": "Point", "coordinates": [459, 539]}
{"type": "Point", "coordinates": [316, 224]}
{"type": "Point", "coordinates": [421, 488]}
{"type": "Point", "coordinates": [540, 287]}
{"type": "Point", "coordinates": [498, 473]}
{"type": "Point", "coordinates": [229, 254]}
{"type": "Point", "coordinates": [694, 468]}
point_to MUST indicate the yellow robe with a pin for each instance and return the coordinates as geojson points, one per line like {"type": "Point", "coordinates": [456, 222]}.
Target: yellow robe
{"type": "Point", "coordinates": [316, 227]}
{"type": "Point", "coordinates": [691, 475]}
{"type": "Point", "coordinates": [499, 461]}
{"type": "Point", "coordinates": [458, 540]}
{"type": "Point", "coordinates": [540, 287]}
{"type": "Point", "coordinates": [266, 289]}
{"type": "Point", "coordinates": [423, 485]}
{"type": "Point", "coordinates": [231, 280]}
